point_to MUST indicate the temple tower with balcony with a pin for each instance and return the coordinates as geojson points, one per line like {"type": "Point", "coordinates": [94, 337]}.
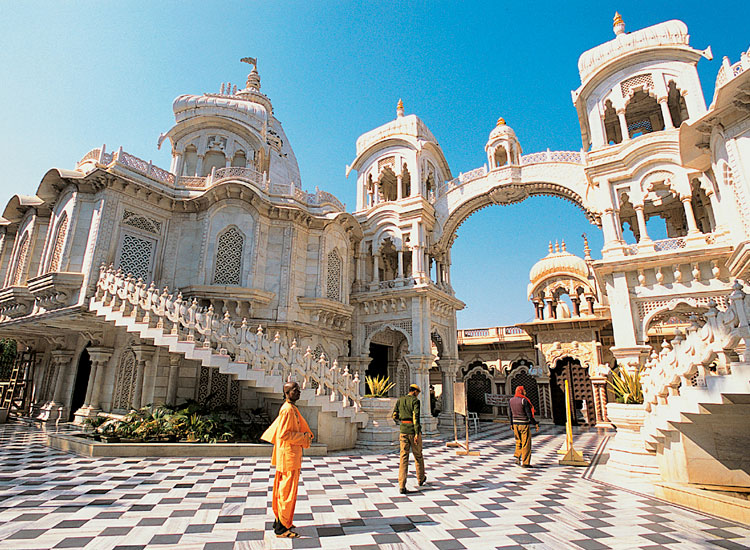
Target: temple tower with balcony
{"type": "Point", "coordinates": [404, 304]}
{"type": "Point", "coordinates": [636, 90]}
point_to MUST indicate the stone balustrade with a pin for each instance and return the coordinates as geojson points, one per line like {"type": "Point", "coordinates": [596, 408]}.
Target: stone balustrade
{"type": "Point", "coordinates": [173, 315]}
{"type": "Point", "coordinates": [701, 352]}
{"type": "Point", "coordinates": [260, 180]}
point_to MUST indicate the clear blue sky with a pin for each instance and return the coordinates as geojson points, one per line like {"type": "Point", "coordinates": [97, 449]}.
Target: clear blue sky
{"type": "Point", "coordinates": [79, 74]}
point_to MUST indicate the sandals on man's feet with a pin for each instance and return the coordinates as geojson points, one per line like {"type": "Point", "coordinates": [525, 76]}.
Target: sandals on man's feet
{"type": "Point", "coordinates": [288, 534]}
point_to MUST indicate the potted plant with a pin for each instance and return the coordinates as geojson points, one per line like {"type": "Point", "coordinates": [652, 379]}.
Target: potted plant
{"type": "Point", "coordinates": [627, 453]}
{"type": "Point", "coordinates": [380, 431]}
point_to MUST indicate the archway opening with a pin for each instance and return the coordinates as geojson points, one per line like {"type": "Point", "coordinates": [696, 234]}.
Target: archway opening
{"type": "Point", "coordinates": [378, 366]}
{"type": "Point", "coordinates": [582, 407]}
{"type": "Point", "coordinates": [81, 384]}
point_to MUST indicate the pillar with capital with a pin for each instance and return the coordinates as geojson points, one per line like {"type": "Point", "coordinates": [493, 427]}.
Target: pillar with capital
{"type": "Point", "coordinates": [100, 357]}
{"type": "Point", "coordinates": [449, 370]}
{"type": "Point", "coordinates": [143, 354]}
{"type": "Point", "coordinates": [421, 368]}
{"type": "Point", "coordinates": [174, 370]}
{"type": "Point", "coordinates": [60, 364]}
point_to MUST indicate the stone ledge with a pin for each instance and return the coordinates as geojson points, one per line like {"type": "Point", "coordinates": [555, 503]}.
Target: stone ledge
{"type": "Point", "coordinates": [87, 447]}
{"type": "Point", "coordinates": [711, 502]}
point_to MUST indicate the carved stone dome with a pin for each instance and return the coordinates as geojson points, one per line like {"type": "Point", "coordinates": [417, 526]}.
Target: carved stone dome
{"type": "Point", "coordinates": [558, 261]}
{"type": "Point", "coordinates": [501, 130]}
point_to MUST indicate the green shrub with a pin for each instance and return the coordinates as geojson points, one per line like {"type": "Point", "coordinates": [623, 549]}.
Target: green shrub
{"type": "Point", "coordinates": [627, 387]}
{"type": "Point", "coordinates": [379, 386]}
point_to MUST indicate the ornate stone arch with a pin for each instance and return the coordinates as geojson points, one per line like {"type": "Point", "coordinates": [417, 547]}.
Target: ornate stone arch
{"type": "Point", "coordinates": [478, 381]}
{"type": "Point", "coordinates": [21, 259]}
{"type": "Point", "coordinates": [402, 327]}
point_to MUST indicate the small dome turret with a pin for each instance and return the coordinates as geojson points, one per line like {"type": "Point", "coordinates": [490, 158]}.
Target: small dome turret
{"type": "Point", "coordinates": [558, 261]}
{"type": "Point", "coordinates": [502, 147]}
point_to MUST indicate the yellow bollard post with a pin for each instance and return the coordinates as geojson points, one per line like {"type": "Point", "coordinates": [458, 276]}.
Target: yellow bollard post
{"type": "Point", "coordinates": [572, 457]}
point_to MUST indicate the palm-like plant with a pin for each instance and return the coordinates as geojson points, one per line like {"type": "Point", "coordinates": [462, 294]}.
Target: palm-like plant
{"type": "Point", "coordinates": [627, 387]}
{"type": "Point", "coordinates": [379, 385]}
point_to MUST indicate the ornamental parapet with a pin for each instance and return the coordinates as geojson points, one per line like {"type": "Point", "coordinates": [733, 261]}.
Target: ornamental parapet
{"type": "Point", "coordinates": [477, 336]}
{"type": "Point", "coordinates": [41, 294]}
{"type": "Point", "coordinates": [729, 71]}
{"type": "Point", "coordinates": [239, 302]}
{"type": "Point", "coordinates": [276, 192]}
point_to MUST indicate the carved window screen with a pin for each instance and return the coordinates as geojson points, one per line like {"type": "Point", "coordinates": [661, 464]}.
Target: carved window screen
{"type": "Point", "coordinates": [125, 382]}
{"type": "Point", "coordinates": [59, 242]}
{"type": "Point", "coordinates": [333, 279]}
{"type": "Point", "coordinates": [228, 270]}
{"type": "Point", "coordinates": [136, 256]}
{"type": "Point", "coordinates": [21, 258]}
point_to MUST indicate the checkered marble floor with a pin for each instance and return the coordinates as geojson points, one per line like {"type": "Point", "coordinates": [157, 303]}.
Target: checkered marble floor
{"type": "Point", "coordinates": [51, 499]}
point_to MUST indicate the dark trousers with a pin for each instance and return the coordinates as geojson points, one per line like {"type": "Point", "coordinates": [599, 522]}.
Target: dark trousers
{"type": "Point", "coordinates": [408, 444]}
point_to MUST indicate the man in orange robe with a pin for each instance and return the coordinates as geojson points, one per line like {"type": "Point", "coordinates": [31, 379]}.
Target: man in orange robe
{"type": "Point", "coordinates": [289, 434]}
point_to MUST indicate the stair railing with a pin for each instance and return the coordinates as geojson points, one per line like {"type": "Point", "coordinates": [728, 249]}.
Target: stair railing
{"type": "Point", "coordinates": [203, 326]}
{"type": "Point", "coordinates": [700, 352]}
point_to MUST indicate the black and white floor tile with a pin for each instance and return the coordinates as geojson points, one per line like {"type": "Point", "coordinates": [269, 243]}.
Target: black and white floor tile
{"type": "Point", "coordinates": [51, 499]}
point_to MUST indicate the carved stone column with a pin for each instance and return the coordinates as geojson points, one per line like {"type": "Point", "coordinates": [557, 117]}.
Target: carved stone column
{"type": "Point", "coordinates": [599, 387]}
{"type": "Point", "coordinates": [174, 369]}
{"type": "Point", "coordinates": [449, 370]}
{"type": "Point", "coordinates": [623, 124]}
{"type": "Point", "coordinates": [668, 124]}
{"type": "Point", "coordinates": [641, 223]}
{"type": "Point", "coordinates": [143, 353]}
{"type": "Point", "coordinates": [100, 357]}
{"type": "Point", "coordinates": [689, 215]}
{"type": "Point", "coordinates": [359, 365]}
{"type": "Point", "coordinates": [421, 365]}
{"type": "Point", "coordinates": [55, 409]}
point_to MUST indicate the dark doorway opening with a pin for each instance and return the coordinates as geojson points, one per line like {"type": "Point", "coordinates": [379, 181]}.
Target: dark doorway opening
{"type": "Point", "coordinates": [379, 364]}
{"type": "Point", "coordinates": [581, 394]}
{"type": "Point", "coordinates": [81, 384]}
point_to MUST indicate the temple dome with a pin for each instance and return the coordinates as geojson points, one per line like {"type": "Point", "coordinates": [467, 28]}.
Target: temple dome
{"type": "Point", "coordinates": [501, 130]}
{"type": "Point", "coordinates": [558, 261]}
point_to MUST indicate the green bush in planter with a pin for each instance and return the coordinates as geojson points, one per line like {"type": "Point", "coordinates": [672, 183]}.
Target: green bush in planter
{"type": "Point", "coordinates": [626, 387]}
{"type": "Point", "coordinates": [379, 386]}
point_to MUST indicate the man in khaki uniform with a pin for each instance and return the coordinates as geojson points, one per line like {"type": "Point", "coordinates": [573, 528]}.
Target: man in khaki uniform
{"type": "Point", "coordinates": [406, 413]}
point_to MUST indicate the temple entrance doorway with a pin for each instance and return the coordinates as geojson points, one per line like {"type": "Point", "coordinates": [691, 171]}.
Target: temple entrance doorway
{"type": "Point", "coordinates": [81, 384]}
{"type": "Point", "coordinates": [478, 383]}
{"type": "Point", "coordinates": [583, 410]}
{"type": "Point", "coordinates": [379, 360]}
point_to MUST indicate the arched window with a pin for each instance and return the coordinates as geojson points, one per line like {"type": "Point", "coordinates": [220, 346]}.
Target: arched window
{"type": "Point", "coordinates": [676, 103]}
{"type": "Point", "coordinates": [59, 242]}
{"type": "Point", "coordinates": [612, 124]}
{"type": "Point", "coordinates": [239, 159]}
{"type": "Point", "coordinates": [211, 160]}
{"type": "Point", "coordinates": [21, 257]}
{"type": "Point", "coordinates": [190, 164]}
{"type": "Point", "coordinates": [333, 276]}
{"type": "Point", "coordinates": [501, 157]}
{"type": "Point", "coordinates": [228, 270]}
{"type": "Point", "coordinates": [643, 114]}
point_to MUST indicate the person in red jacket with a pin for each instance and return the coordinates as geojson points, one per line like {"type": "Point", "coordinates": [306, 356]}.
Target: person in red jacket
{"type": "Point", "coordinates": [289, 434]}
{"type": "Point", "coordinates": [521, 414]}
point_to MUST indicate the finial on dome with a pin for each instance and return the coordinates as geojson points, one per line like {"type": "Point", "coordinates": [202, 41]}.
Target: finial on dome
{"type": "Point", "coordinates": [586, 249]}
{"type": "Point", "coordinates": [618, 25]}
{"type": "Point", "coordinates": [551, 249]}
{"type": "Point", "coordinates": [557, 247]}
{"type": "Point", "coordinates": [253, 79]}
{"type": "Point", "coordinates": [564, 249]}
{"type": "Point", "coordinates": [400, 108]}
{"type": "Point", "coordinates": [501, 121]}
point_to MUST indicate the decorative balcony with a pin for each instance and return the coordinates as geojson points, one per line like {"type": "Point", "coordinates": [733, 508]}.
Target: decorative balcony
{"type": "Point", "coordinates": [477, 336]}
{"type": "Point", "coordinates": [328, 313]}
{"type": "Point", "coordinates": [239, 302]}
{"type": "Point", "coordinates": [54, 290]}
{"type": "Point", "coordinates": [15, 301]}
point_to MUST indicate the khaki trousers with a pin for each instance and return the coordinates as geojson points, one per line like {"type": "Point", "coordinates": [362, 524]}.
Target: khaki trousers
{"type": "Point", "coordinates": [522, 432]}
{"type": "Point", "coordinates": [285, 486]}
{"type": "Point", "coordinates": [408, 443]}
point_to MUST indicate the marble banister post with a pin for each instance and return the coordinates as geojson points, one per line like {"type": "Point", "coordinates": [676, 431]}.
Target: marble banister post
{"type": "Point", "coordinates": [174, 368]}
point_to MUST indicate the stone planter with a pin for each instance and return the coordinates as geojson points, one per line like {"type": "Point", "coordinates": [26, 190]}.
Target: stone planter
{"type": "Point", "coordinates": [380, 432]}
{"type": "Point", "coordinates": [627, 453]}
